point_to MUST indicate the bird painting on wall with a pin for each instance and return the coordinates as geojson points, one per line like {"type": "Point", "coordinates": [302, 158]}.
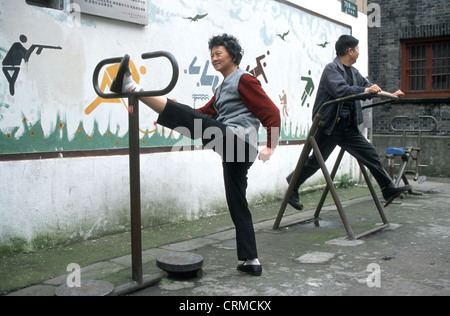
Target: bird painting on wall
{"type": "Point", "coordinates": [197, 18]}
{"type": "Point", "coordinates": [283, 37]}
{"type": "Point", "coordinates": [323, 45]}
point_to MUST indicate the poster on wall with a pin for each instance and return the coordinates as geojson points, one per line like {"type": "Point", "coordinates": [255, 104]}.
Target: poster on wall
{"type": "Point", "coordinates": [133, 11]}
{"type": "Point", "coordinates": [48, 104]}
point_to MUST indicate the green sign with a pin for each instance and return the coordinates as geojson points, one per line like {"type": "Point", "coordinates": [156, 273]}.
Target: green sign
{"type": "Point", "coordinates": [350, 8]}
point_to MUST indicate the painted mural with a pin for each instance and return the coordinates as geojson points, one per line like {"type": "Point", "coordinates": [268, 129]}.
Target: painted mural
{"type": "Point", "coordinates": [14, 57]}
{"type": "Point", "coordinates": [47, 103]}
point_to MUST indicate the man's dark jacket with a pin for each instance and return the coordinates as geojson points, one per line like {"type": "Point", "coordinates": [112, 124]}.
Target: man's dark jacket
{"type": "Point", "coordinates": [333, 85]}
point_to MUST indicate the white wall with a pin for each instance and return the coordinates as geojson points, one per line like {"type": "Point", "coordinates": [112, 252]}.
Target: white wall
{"type": "Point", "coordinates": [69, 198]}
{"type": "Point", "coordinates": [332, 9]}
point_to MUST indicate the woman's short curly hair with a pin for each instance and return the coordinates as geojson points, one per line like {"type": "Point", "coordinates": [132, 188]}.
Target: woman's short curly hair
{"type": "Point", "coordinates": [230, 43]}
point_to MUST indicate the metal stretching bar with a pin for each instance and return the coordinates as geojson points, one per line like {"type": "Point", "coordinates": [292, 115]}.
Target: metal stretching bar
{"type": "Point", "coordinates": [408, 152]}
{"type": "Point", "coordinates": [311, 145]}
{"type": "Point", "coordinates": [135, 179]}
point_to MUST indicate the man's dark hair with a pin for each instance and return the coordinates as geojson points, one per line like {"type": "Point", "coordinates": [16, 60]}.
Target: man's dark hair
{"type": "Point", "coordinates": [230, 43]}
{"type": "Point", "coordinates": [344, 43]}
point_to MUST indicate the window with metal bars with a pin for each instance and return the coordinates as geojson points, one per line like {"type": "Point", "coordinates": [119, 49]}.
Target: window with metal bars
{"type": "Point", "coordinates": [426, 67]}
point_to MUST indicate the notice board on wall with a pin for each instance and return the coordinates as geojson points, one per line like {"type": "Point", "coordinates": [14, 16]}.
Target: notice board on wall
{"type": "Point", "coordinates": [133, 11]}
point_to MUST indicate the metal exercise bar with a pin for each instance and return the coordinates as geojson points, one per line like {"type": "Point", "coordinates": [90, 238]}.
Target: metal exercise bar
{"type": "Point", "coordinates": [432, 118]}
{"type": "Point", "coordinates": [408, 151]}
{"type": "Point", "coordinates": [410, 101]}
{"type": "Point", "coordinates": [154, 93]}
{"type": "Point", "coordinates": [311, 145]}
{"type": "Point", "coordinates": [133, 121]}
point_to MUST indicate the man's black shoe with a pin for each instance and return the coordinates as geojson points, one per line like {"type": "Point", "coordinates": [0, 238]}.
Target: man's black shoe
{"type": "Point", "coordinates": [255, 270]}
{"type": "Point", "coordinates": [294, 201]}
{"type": "Point", "coordinates": [391, 192]}
{"type": "Point", "coordinates": [124, 68]}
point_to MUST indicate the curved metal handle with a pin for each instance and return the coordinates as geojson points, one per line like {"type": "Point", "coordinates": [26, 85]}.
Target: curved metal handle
{"type": "Point", "coordinates": [435, 123]}
{"type": "Point", "coordinates": [360, 96]}
{"type": "Point", "coordinates": [140, 94]}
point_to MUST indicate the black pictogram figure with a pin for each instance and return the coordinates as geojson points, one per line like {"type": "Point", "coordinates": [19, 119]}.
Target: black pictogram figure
{"type": "Point", "coordinates": [13, 59]}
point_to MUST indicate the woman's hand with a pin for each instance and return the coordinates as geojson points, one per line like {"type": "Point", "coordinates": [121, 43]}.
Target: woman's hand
{"type": "Point", "coordinates": [265, 154]}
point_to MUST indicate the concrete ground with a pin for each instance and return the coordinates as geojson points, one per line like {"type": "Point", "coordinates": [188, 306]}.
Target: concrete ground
{"type": "Point", "coordinates": [411, 257]}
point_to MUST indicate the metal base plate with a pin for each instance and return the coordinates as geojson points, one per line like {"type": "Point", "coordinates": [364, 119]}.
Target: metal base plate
{"type": "Point", "coordinates": [180, 262]}
{"type": "Point", "coordinates": [87, 288]}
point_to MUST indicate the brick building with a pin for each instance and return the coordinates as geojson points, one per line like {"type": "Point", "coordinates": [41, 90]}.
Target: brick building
{"type": "Point", "coordinates": [409, 49]}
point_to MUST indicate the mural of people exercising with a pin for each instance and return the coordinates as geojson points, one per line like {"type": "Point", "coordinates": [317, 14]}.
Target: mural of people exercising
{"type": "Point", "coordinates": [13, 60]}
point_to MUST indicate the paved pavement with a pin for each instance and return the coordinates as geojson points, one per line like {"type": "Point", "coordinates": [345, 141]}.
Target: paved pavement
{"type": "Point", "coordinates": [411, 257]}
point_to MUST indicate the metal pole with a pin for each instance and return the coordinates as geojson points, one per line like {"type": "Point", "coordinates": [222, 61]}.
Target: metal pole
{"type": "Point", "coordinates": [301, 162]}
{"type": "Point", "coordinates": [327, 190]}
{"type": "Point", "coordinates": [332, 189]}
{"type": "Point", "coordinates": [135, 189]}
{"type": "Point", "coordinates": [135, 180]}
{"type": "Point", "coordinates": [373, 193]}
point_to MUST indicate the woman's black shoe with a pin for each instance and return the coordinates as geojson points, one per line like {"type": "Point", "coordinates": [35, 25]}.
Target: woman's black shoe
{"type": "Point", "coordinates": [255, 270]}
{"type": "Point", "coordinates": [124, 68]}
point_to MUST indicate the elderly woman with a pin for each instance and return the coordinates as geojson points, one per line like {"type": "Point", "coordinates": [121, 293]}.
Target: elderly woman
{"type": "Point", "coordinates": [229, 123]}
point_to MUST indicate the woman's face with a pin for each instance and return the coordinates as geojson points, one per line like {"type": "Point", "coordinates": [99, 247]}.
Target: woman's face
{"type": "Point", "coordinates": [222, 61]}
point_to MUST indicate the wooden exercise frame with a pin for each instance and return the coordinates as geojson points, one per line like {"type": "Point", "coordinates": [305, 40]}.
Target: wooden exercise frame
{"type": "Point", "coordinates": [311, 145]}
